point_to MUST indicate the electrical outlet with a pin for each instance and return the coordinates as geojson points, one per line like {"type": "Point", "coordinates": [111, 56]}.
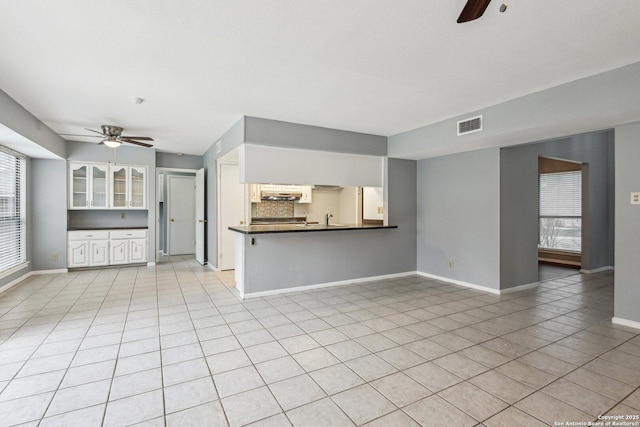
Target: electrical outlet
{"type": "Point", "coordinates": [451, 264]}
{"type": "Point", "coordinates": [123, 215]}
{"type": "Point", "coordinates": [54, 257]}
{"type": "Point", "coordinates": [635, 198]}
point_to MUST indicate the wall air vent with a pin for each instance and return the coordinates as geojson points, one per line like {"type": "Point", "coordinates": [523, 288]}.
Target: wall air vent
{"type": "Point", "coordinates": [470, 125]}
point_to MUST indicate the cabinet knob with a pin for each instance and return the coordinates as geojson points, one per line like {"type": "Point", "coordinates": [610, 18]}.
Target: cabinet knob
{"type": "Point", "coordinates": [241, 222]}
{"type": "Point", "coordinates": [173, 220]}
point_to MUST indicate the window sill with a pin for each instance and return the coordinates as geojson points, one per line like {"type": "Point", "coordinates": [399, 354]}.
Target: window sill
{"type": "Point", "coordinates": [14, 269]}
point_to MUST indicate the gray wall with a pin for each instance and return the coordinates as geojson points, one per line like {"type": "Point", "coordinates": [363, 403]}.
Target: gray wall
{"type": "Point", "coordinates": [293, 135]}
{"type": "Point", "coordinates": [297, 259]}
{"type": "Point", "coordinates": [49, 214]}
{"type": "Point", "coordinates": [627, 232]}
{"type": "Point", "coordinates": [586, 105]}
{"type": "Point", "coordinates": [231, 140]}
{"type": "Point", "coordinates": [458, 216]}
{"type": "Point", "coordinates": [519, 204]}
{"type": "Point", "coordinates": [88, 152]}
{"type": "Point", "coordinates": [172, 160]}
{"type": "Point", "coordinates": [18, 119]}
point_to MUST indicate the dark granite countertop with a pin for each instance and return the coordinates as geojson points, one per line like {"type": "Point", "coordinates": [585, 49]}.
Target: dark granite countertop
{"type": "Point", "coordinates": [297, 228]}
{"type": "Point", "coordinates": [106, 228]}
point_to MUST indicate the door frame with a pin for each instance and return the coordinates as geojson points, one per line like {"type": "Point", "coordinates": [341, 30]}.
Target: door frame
{"type": "Point", "coordinates": [169, 210]}
{"type": "Point", "coordinates": [157, 201]}
{"type": "Point", "coordinates": [247, 202]}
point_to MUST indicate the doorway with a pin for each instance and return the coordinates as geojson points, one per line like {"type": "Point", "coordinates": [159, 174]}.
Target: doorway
{"type": "Point", "coordinates": [231, 202]}
{"type": "Point", "coordinates": [181, 215]}
{"type": "Point", "coordinates": [561, 228]}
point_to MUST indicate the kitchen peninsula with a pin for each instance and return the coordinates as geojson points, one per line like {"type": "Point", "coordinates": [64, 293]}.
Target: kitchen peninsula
{"type": "Point", "coordinates": [287, 257]}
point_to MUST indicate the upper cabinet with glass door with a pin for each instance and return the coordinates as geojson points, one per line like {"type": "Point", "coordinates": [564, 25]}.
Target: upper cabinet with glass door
{"type": "Point", "coordinates": [129, 187]}
{"type": "Point", "coordinates": [88, 186]}
{"type": "Point", "coordinates": [104, 186]}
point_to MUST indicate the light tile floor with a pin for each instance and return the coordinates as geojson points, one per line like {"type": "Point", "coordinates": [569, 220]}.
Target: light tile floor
{"type": "Point", "coordinates": [173, 345]}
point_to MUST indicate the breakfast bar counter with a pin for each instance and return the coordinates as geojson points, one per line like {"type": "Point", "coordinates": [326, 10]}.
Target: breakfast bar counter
{"type": "Point", "coordinates": [271, 259]}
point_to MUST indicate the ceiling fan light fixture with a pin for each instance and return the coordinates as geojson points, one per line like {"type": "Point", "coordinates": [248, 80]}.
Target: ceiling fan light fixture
{"type": "Point", "coordinates": [112, 142]}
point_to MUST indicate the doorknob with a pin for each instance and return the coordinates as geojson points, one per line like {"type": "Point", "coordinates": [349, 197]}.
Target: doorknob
{"type": "Point", "coordinates": [202, 220]}
{"type": "Point", "coordinates": [173, 220]}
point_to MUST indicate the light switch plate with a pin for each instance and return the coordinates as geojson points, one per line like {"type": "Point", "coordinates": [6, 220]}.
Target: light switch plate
{"type": "Point", "coordinates": [635, 198]}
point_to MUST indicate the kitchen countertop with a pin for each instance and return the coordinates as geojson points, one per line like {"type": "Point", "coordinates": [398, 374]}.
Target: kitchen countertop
{"type": "Point", "coordinates": [106, 228]}
{"type": "Point", "coordinates": [297, 228]}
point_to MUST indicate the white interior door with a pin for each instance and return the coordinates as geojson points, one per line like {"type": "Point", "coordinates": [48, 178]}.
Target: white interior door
{"type": "Point", "coordinates": [232, 200]}
{"type": "Point", "coordinates": [200, 219]}
{"type": "Point", "coordinates": [182, 215]}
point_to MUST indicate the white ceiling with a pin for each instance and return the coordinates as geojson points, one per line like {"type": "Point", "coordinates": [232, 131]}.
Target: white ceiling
{"type": "Point", "coordinates": [381, 66]}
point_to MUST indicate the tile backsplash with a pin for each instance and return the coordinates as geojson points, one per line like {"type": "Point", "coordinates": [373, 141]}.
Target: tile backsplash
{"type": "Point", "coordinates": [274, 208]}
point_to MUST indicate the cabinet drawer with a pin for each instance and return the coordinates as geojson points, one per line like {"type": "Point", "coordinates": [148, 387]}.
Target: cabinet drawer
{"type": "Point", "coordinates": [128, 234]}
{"type": "Point", "coordinates": [88, 235]}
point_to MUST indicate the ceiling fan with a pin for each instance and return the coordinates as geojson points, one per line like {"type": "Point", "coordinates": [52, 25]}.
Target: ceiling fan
{"type": "Point", "coordinates": [473, 10]}
{"type": "Point", "coordinates": [112, 137]}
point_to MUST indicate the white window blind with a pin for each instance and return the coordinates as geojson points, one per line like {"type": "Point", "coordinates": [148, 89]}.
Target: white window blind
{"type": "Point", "coordinates": [560, 214]}
{"type": "Point", "coordinates": [12, 209]}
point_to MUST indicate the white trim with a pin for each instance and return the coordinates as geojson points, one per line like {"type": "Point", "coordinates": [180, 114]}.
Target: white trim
{"type": "Point", "coordinates": [151, 264]}
{"type": "Point", "coordinates": [325, 285]}
{"type": "Point", "coordinates": [15, 282]}
{"type": "Point", "coordinates": [14, 269]}
{"type": "Point", "coordinates": [625, 322]}
{"type": "Point", "coordinates": [58, 271]}
{"type": "Point", "coordinates": [211, 267]}
{"type": "Point", "coordinates": [520, 288]}
{"type": "Point", "coordinates": [597, 270]}
{"type": "Point", "coordinates": [176, 170]}
{"type": "Point", "coordinates": [460, 283]}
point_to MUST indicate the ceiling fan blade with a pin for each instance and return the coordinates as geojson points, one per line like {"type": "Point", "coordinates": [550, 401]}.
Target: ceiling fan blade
{"type": "Point", "coordinates": [91, 130]}
{"type": "Point", "coordinates": [84, 136]}
{"type": "Point", "coordinates": [130, 141]}
{"type": "Point", "coordinates": [473, 10]}
{"type": "Point", "coordinates": [141, 138]}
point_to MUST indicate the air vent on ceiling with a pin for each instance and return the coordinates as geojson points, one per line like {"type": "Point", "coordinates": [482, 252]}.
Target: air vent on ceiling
{"type": "Point", "coordinates": [473, 124]}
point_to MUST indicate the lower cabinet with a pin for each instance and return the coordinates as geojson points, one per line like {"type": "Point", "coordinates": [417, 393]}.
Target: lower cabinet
{"type": "Point", "coordinates": [94, 248]}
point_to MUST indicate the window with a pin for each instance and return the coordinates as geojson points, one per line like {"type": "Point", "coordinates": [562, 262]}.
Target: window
{"type": "Point", "coordinates": [12, 209]}
{"type": "Point", "coordinates": [560, 211]}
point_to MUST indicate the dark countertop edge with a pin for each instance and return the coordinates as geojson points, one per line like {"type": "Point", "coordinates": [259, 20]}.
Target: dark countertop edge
{"type": "Point", "coordinates": [261, 229]}
{"type": "Point", "coordinates": [106, 228]}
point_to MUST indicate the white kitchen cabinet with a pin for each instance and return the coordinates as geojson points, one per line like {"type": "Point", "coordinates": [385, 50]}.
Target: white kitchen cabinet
{"type": "Point", "coordinates": [119, 252]}
{"type": "Point", "coordinates": [255, 193]}
{"type": "Point", "coordinates": [270, 187]}
{"type": "Point", "coordinates": [137, 250]}
{"type": "Point", "coordinates": [98, 253]}
{"type": "Point", "coordinates": [78, 253]}
{"type": "Point", "coordinates": [128, 246]}
{"type": "Point", "coordinates": [87, 248]}
{"type": "Point", "coordinates": [128, 187]}
{"type": "Point", "coordinates": [88, 186]}
{"type": "Point", "coordinates": [307, 194]}
{"type": "Point", "coordinates": [290, 188]}
{"type": "Point", "coordinates": [94, 248]}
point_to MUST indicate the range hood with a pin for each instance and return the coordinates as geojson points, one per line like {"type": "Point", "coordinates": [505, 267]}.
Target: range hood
{"type": "Point", "coordinates": [279, 196]}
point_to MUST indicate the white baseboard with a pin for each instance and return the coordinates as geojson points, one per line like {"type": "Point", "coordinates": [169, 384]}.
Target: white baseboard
{"type": "Point", "coordinates": [25, 276]}
{"type": "Point", "coordinates": [598, 270]}
{"type": "Point", "coordinates": [460, 283]}
{"type": "Point", "coordinates": [325, 285]}
{"type": "Point", "coordinates": [151, 264]}
{"type": "Point", "coordinates": [625, 322]}
{"type": "Point", "coordinates": [14, 282]}
{"type": "Point", "coordinates": [58, 271]}
{"type": "Point", "coordinates": [520, 288]}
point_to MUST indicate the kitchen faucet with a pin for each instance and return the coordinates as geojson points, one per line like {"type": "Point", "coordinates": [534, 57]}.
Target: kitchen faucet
{"type": "Point", "coordinates": [327, 216]}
